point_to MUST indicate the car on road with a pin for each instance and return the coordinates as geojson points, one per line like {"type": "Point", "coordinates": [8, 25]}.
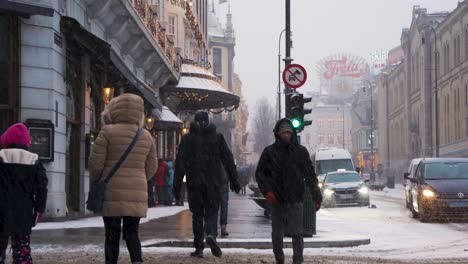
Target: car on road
{"type": "Point", "coordinates": [407, 183]}
{"type": "Point", "coordinates": [439, 189]}
{"type": "Point", "coordinates": [342, 188]}
{"type": "Point", "coordinates": [327, 160]}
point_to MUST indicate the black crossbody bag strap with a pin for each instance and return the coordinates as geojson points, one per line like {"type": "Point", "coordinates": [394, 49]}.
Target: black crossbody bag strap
{"type": "Point", "coordinates": [122, 159]}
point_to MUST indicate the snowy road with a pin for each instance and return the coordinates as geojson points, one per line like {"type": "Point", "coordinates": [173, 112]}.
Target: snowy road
{"type": "Point", "coordinates": [394, 233]}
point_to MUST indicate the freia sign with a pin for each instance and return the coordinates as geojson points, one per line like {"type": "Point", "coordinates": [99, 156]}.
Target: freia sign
{"type": "Point", "coordinates": [342, 66]}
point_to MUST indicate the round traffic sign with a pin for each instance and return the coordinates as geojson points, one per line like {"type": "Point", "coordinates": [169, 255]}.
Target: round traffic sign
{"type": "Point", "coordinates": [294, 76]}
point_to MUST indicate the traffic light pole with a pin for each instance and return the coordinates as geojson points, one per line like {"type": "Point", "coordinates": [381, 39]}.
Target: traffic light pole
{"type": "Point", "coordinates": [288, 59]}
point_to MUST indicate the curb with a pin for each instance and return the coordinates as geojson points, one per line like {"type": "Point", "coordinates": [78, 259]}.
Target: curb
{"type": "Point", "coordinates": [266, 243]}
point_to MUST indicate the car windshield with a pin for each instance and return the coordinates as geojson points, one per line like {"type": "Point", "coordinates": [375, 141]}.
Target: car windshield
{"type": "Point", "coordinates": [326, 166]}
{"type": "Point", "coordinates": [342, 177]}
{"type": "Point", "coordinates": [446, 170]}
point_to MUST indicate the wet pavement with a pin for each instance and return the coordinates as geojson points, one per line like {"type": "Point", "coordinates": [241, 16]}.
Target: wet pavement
{"type": "Point", "coordinates": [245, 220]}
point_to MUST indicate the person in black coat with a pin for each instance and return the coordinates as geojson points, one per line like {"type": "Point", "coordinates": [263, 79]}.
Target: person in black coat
{"type": "Point", "coordinates": [23, 193]}
{"type": "Point", "coordinates": [282, 171]}
{"type": "Point", "coordinates": [200, 156]}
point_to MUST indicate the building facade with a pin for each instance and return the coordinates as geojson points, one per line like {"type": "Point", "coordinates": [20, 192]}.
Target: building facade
{"type": "Point", "coordinates": [331, 125]}
{"type": "Point", "coordinates": [63, 61]}
{"type": "Point", "coordinates": [407, 91]}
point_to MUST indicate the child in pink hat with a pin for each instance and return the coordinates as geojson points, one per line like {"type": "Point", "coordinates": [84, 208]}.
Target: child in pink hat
{"type": "Point", "coordinates": [23, 193]}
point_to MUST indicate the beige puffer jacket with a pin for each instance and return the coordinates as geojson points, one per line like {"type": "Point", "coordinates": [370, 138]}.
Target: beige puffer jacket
{"type": "Point", "coordinates": [126, 193]}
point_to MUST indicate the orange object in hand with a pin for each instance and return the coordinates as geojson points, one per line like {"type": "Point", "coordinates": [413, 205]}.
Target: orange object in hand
{"type": "Point", "coordinates": [270, 196]}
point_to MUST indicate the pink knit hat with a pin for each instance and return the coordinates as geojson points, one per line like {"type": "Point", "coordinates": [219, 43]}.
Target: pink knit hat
{"type": "Point", "coordinates": [16, 134]}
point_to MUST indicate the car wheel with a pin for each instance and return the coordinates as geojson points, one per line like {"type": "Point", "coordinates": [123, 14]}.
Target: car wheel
{"type": "Point", "coordinates": [366, 203]}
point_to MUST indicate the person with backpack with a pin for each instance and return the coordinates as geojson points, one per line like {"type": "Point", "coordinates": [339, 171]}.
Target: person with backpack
{"type": "Point", "coordinates": [126, 194]}
{"type": "Point", "coordinates": [23, 193]}
{"type": "Point", "coordinates": [200, 156]}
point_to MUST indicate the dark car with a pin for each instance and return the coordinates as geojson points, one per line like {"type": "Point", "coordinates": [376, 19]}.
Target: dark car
{"type": "Point", "coordinates": [343, 188]}
{"type": "Point", "coordinates": [407, 183]}
{"type": "Point", "coordinates": [439, 189]}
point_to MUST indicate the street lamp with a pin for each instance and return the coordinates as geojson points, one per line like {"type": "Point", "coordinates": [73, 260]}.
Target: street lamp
{"type": "Point", "coordinates": [279, 74]}
{"type": "Point", "coordinates": [436, 90]}
{"type": "Point", "coordinates": [371, 87]}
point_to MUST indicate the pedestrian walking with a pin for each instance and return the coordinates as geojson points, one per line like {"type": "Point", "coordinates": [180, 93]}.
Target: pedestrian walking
{"type": "Point", "coordinates": [224, 202]}
{"type": "Point", "coordinates": [126, 195]}
{"type": "Point", "coordinates": [161, 182]}
{"type": "Point", "coordinates": [169, 182]}
{"type": "Point", "coordinates": [282, 170]}
{"type": "Point", "coordinates": [200, 156]}
{"type": "Point", "coordinates": [23, 193]}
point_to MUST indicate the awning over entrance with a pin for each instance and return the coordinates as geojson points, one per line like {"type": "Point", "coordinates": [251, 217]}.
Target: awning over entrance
{"type": "Point", "coordinates": [198, 89]}
{"type": "Point", "coordinates": [102, 51]}
{"type": "Point", "coordinates": [165, 119]}
{"type": "Point", "coordinates": [24, 9]}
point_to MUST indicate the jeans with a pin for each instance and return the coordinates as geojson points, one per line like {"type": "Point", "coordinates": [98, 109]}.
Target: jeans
{"type": "Point", "coordinates": [224, 202]}
{"type": "Point", "coordinates": [169, 199]}
{"type": "Point", "coordinates": [130, 235]}
{"type": "Point", "coordinates": [287, 217]}
{"type": "Point", "coordinates": [204, 205]}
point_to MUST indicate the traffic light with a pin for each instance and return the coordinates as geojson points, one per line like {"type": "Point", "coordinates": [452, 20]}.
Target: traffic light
{"type": "Point", "coordinates": [295, 110]}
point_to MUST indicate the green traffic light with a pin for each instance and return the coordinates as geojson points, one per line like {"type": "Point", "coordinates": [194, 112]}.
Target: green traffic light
{"type": "Point", "coordinates": [296, 123]}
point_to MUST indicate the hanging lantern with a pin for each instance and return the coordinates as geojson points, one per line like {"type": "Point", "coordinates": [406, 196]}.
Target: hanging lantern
{"type": "Point", "coordinates": [185, 131]}
{"type": "Point", "coordinates": [107, 94]}
{"type": "Point", "coordinates": [149, 123]}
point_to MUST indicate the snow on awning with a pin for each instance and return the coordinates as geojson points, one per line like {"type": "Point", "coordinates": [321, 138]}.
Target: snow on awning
{"type": "Point", "coordinates": [165, 119]}
{"type": "Point", "coordinates": [198, 89]}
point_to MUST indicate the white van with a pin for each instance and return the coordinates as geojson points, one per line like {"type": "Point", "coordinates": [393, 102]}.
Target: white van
{"type": "Point", "coordinates": [327, 160]}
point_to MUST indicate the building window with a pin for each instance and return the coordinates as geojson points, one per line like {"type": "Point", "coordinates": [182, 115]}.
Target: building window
{"type": "Point", "coordinates": [320, 123]}
{"type": "Point", "coordinates": [9, 60]}
{"type": "Point", "coordinates": [320, 138]}
{"type": "Point", "coordinates": [331, 139]}
{"type": "Point", "coordinates": [340, 140]}
{"type": "Point", "coordinates": [330, 123]}
{"type": "Point", "coordinates": [217, 63]}
{"type": "Point", "coordinates": [171, 30]}
{"type": "Point", "coordinates": [341, 122]}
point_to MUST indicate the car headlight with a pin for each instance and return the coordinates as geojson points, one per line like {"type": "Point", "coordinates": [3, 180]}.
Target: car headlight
{"type": "Point", "coordinates": [363, 190]}
{"type": "Point", "coordinates": [328, 192]}
{"type": "Point", "coordinates": [320, 185]}
{"type": "Point", "coordinates": [428, 193]}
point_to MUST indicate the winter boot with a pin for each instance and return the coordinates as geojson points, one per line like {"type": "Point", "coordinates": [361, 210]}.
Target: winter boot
{"type": "Point", "coordinates": [224, 232]}
{"type": "Point", "coordinates": [198, 253]}
{"type": "Point", "coordinates": [215, 249]}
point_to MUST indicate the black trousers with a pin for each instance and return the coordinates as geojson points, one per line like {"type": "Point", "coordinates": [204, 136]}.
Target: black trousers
{"type": "Point", "coordinates": [113, 226]}
{"type": "Point", "coordinates": [204, 204]}
{"type": "Point", "coordinates": [287, 218]}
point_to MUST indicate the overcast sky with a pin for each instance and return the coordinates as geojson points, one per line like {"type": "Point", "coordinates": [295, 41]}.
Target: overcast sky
{"type": "Point", "coordinates": [320, 28]}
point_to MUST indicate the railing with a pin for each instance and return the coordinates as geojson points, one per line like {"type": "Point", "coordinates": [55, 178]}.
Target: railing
{"type": "Point", "coordinates": [153, 25]}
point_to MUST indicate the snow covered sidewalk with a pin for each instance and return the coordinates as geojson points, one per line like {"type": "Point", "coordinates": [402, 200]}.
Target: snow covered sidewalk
{"type": "Point", "coordinates": [96, 221]}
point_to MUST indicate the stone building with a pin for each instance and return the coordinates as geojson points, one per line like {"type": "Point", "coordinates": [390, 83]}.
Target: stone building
{"type": "Point", "coordinates": [407, 91]}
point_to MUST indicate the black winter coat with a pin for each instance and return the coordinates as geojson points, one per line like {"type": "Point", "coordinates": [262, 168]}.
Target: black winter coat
{"type": "Point", "coordinates": [200, 157]}
{"type": "Point", "coordinates": [283, 168]}
{"type": "Point", "coordinates": [23, 190]}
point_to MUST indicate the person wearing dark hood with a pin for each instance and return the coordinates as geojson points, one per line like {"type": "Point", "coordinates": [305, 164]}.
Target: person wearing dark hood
{"type": "Point", "coordinates": [282, 171]}
{"type": "Point", "coordinates": [202, 153]}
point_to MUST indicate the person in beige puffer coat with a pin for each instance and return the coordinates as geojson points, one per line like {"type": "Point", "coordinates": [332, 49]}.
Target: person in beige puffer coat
{"type": "Point", "coordinates": [126, 196]}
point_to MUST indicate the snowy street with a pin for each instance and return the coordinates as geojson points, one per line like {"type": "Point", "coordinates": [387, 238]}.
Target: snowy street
{"type": "Point", "coordinates": [395, 236]}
